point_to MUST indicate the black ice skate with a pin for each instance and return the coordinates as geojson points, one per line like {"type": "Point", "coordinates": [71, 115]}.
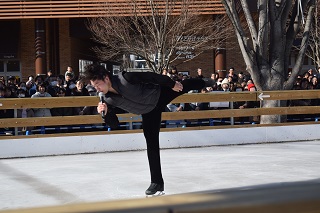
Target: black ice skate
{"type": "Point", "coordinates": [155, 189]}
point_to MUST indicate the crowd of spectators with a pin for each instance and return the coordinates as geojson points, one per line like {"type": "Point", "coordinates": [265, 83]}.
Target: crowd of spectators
{"type": "Point", "coordinates": [237, 82]}
{"type": "Point", "coordinates": [231, 82]}
{"type": "Point", "coordinates": [46, 86]}
{"type": "Point", "coordinates": [70, 85]}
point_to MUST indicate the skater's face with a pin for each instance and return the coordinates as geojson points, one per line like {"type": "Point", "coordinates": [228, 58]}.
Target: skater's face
{"type": "Point", "coordinates": [102, 85]}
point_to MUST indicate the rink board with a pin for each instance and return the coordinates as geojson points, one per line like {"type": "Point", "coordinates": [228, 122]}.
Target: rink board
{"type": "Point", "coordinates": [45, 146]}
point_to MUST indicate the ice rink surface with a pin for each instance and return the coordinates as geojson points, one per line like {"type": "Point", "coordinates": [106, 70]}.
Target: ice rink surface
{"type": "Point", "coordinates": [47, 181]}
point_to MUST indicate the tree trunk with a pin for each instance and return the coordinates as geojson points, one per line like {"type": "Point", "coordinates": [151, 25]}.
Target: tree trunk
{"type": "Point", "coordinates": [269, 119]}
{"type": "Point", "coordinates": [267, 53]}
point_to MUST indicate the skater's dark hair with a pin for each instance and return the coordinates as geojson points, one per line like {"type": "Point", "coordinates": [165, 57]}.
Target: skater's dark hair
{"type": "Point", "coordinates": [96, 72]}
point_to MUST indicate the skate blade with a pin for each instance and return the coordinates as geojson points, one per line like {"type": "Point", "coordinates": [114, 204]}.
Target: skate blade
{"type": "Point", "coordinates": [157, 194]}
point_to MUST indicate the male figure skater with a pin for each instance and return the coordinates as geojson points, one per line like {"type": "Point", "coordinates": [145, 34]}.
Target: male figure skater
{"type": "Point", "coordinates": [140, 93]}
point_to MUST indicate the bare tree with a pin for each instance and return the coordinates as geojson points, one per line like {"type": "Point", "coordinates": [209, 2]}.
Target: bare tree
{"type": "Point", "coordinates": [267, 45]}
{"type": "Point", "coordinates": [155, 30]}
{"type": "Point", "coordinates": [313, 51]}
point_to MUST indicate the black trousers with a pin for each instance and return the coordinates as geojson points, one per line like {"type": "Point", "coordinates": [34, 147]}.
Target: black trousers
{"type": "Point", "coordinates": [151, 122]}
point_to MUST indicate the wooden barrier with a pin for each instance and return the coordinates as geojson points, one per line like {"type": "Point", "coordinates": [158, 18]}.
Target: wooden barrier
{"type": "Point", "coordinates": [18, 103]}
{"type": "Point", "coordinates": [296, 197]}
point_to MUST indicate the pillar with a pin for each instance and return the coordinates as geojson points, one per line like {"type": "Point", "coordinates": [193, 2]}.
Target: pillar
{"type": "Point", "coordinates": [220, 62]}
{"type": "Point", "coordinates": [52, 50]}
{"type": "Point", "coordinates": [40, 46]}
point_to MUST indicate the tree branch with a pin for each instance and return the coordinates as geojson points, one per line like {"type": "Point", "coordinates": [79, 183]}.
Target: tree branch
{"type": "Point", "coordinates": [242, 39]}
{"type": "Point", "coordinates": [251, 23]}
{"type": "Point", "coordinates": [171, 24]}
{"type": "Point", "coordinates": [263, 36]}
{"type": "Point", "coordinates": [303, 48]}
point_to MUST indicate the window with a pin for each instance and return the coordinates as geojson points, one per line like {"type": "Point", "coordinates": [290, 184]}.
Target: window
{"type": "Point", "coordinates": [10, 68]}
{"type": "Point", "coordinates": [82, 65]}
{"type": "Point", "coordinates": [13, 66]}
{"type": "Point", "coordinates": [138, 62]}
{"type": "Point", "coordinates": [104, 65]}
{"type": "Point", "coordinates": [1, 66]}
{"type": "Point", "coordinates": [115, 69]}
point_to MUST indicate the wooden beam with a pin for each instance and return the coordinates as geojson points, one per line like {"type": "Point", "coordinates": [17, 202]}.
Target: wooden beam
{"type": "Point", "coordinates": [227, 113]}
{"type": "Point", "coordinates": [128, 117]}
{"type": "Point", "coordinates": [291, 94]}
{"type": "Point", "coordinates": [216, 97]}
{"type": "Point", "coordinates": [50, 102]}
{"type": "Point", "coordinates": [17, 103]}
{"type": "Point", "coordinates": [297, 197]}
{"type": "Point", "coordinates": [104, 132]}
{"type": "Point", "coordinates": [20, 103]}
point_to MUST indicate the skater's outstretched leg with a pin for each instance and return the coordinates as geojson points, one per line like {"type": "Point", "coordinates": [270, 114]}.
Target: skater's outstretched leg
{"type": "Point", "coordinates": [192, 84]}
{"type": "Point", "coordinates": [167, 94]}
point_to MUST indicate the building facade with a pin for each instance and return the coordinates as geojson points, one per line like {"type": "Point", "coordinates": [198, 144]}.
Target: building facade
{"type": "Point", "coordinates": [51, 35]}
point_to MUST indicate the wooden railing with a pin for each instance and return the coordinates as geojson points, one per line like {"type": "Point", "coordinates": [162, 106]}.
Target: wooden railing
{"type": "Point", "coordinates": [299, 197]}
{"type": "Point", "coordinates": [19, 103]}
{"type": "Point", "coordinates": [89, 8]}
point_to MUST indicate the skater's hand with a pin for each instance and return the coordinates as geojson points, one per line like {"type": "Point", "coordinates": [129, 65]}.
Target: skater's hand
{"type": "Point", "coordinates": [102, 107]}
{"type": "Point", "coordinates": [178, 87]}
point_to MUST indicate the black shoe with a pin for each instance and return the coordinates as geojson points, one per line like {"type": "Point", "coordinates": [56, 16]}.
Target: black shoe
{"type": "Point", "coordinates": [154, 188]}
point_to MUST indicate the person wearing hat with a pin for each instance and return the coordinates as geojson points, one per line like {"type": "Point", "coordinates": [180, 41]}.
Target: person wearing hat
{"type": "Point", "coordinates": [251, 87]}
{"type": "Point", "coordinates": [250, 104]}
{"type": "Point", "coordinates": [225, 85]}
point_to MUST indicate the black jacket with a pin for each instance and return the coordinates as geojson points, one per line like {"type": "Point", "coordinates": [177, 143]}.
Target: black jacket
{"type": "Point", "coordinates": [138, 93]}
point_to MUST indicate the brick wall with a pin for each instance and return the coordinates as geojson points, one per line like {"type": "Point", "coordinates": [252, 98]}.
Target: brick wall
{"type": "Point", "coordinates": [27, 48]}
{"type": "Point", "coordinates": [64, 45]}
{"type": "Point", "coordinates": [82, 49]}
{"type": "Point", "coordinates": [205, 61]}
{"type": "Point", "coordinates": [73, 49]}
{"type": "Point", "coordinates": [234, 57]}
